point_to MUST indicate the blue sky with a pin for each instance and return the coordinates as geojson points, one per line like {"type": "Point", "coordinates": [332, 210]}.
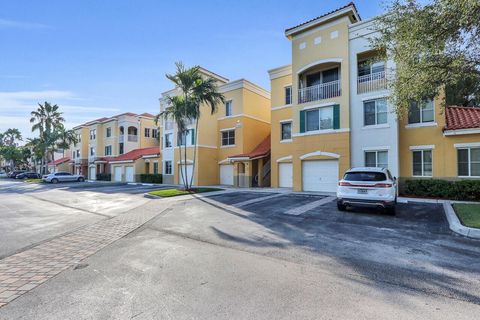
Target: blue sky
{"type": "Point", "coordinates": [100, 58]}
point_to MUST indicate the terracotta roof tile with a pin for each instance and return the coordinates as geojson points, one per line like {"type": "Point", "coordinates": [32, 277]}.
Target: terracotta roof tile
{"type": "Point", "coordinates": [263, 149]}
{"type": "Point", "coordinates": [324, 15]}
{"type": "Point", "coordinates": [59, 161]}
{"type": "Point", "coordinates": [148, 115]}
{"type": "Point", "coordinates": [137, 154]}
{"type": "Point", "coordinates": [462, 117]}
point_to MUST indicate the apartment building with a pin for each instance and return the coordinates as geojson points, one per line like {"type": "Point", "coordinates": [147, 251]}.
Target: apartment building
{"type": "Point", "coordinates": [229, 146]}
{"type": "Point", "coordinates": [108, 139]}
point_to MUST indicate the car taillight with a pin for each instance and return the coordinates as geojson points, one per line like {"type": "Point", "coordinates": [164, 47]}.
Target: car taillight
{"type": "Point", "coordinates": [382, 185]}
{"type": "Point", "coordinates": [344, 184]}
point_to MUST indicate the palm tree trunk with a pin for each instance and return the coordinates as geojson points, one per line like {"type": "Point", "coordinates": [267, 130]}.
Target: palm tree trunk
{"type": "Point", "coordinates": [185, 163]}
{"type": "Point", "coordinates": [194, 152]}
{"type": "Point", "coordinates": [180, 161]}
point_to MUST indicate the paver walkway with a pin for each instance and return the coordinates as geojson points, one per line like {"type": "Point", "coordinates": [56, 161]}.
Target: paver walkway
{"type": "Point", "coordinates": [24, 271]}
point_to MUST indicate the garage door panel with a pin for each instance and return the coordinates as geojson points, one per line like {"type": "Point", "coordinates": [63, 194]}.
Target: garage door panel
{"type": "Point", "coordinates": [285, 175]}
{"type": "Point", "coordinates": [117, 174]}
{"type": "Point", "coordinates": [93, 174]}
{"type": "Point", "coordinates": [226, 174]}
{"type": "Point", "coordinates": [320, 175]}
{"type": "Point", "coordinates": [129, 176]}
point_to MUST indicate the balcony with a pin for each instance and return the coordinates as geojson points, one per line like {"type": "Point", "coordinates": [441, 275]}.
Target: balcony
{"type": "Point", "coordinates": [132, 138]}
{"type": "Point", "coordinates": [319, 92]}
{"type": "Point", "coordinates": [371, 82]}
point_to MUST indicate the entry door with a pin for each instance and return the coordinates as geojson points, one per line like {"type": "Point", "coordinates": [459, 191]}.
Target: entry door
{"type": "Point", "coordinates": [93, 175]}
{"type": "Point", "coordinates": [285, 175]}
{"type": "Point", "coordinates": [129, 174]}
{"type": "Point", "coordinates": [117, 174]}
{"type": "Point", "coordinates": [182, 173]}
{"type": "Point", "coordinates": [320, 175]}
{"type": "Point", "coordinates": [226, 174]}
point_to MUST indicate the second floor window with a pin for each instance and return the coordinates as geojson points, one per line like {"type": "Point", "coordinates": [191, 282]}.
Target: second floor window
{"type": "Point", "coordinates": [374, 112]}
{"type": "Point", "coordinates": [319, 119]}
{"type": "Point", "coordinates": [288, 95]}
{"type": "Point", "coordinates": [168, 140]}
{"type": "Point", "coordinates": [93, 134]}
{"type": "Point", "coordinates": [147, 132]}
{"type": "Point", "coordinates": [155, 133]}
{"type": "Point", "coordinates": [228, 138]}
{"type": "Point", "coordinates": [120, 148]}
{"type": "Point", "coordinates": [108, 150]}
{"type": "Point", "coordinates": [92, 151]}
{"type": "Point", "coordinates": [228, 108]}
{"type": "Point", "coordinates": [78, 153]}
{"type": "Point", "coordinates": [420, 112]}
{"type": "Point", "coordinates": [286, 128]}
{"type": "Point", "coordinates": [108, 132]}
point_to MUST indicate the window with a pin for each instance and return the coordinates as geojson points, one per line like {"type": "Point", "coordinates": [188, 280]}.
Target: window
{"type": "Point", "coordinates": [182, 139]}
{"type": "Point", "coordinates": [108, 150]}
{"type": "Point", "coordinates": [422, 113]}
{"type": "Point", "coordinates": [367, 67]}
{"type": "Point", "coordinates": [155, 133]}
{"type": "Point", "coordinates": [376, 159]}
{"type": "Point", "coordinates": [322, 77]}
{"type": "Point", "coordinates": [155, 167]}
{"type": "Point", "coordinates": [79, 137]}
{"type": "Point", "coordinates": [78, 153]}
{"type": "Point", "coordinates": [288, 95]}
{"type": "Point", "coordinates": [92, 151]}
{"type": "Point", "coordinates": [375, 112]}
{"type": "Point", "coordinates": [422, 163]}
{"type": "Point", "coordinates": [73, 154]}
{"type": "Point", "coordinates": [168, 140]}
{"type": "Point", "coordinates": [120, 148]}
{"type": "Point", "coordinates": [286, 128]}
{"type": "Point", "coordinates": [147, 132]}
{"type": "Point", "coordinates": [468, 162]}
{"type": "Point", "coordinates": [228, 138]}
{"type": "Point", "coordinates": [228, 108]}
{"type": "Point", "coordinates": [319, 119]}
{"type": "Point", "coordinates": [168, 167]}
{"type": "Point", "coordinates": [93, 134]}
{"type": "Point", "coordinates": [108, 132]}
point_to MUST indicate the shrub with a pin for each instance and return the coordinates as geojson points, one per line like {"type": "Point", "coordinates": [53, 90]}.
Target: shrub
{"type": "Point", "coordinates": [151, 178]}
{"type": "Point", "coordinates": [104, 177]}
{"type": "Point", "coordinates": [434, 188]}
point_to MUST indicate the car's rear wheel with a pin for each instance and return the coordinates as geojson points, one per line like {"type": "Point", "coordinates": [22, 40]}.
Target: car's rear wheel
{"type": "Point", "coordinates": [341, 206]}
{"type": "Point", "coordinates": [54, 180]}
{"type": "Point", "coordinates": [80, 179]}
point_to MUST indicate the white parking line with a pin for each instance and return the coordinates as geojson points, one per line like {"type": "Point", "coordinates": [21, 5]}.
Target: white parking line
{"type": "Point", "coordinates": [309, 206]}
{"type": "Point", "coordinates": [247, 202]}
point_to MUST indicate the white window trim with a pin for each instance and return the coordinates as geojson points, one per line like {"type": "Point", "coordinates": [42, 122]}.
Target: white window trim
{"type": "Point", "coordinates": [377, 125]}
{"type": "Point", "coordinates": [318, 132]}
{"type": "Point", "coordinates": [221, 138]}
{"type": "Point", "coordinates": [375, 97]}
{"type": "Point", "coordinates": [231, 108]}
{"type": "Point", "coordinates": [461, 131]}
{"type": "Point", "coordinates": [285, 159]}
{"type": "Point", "coordinates": [421, 124]}
{"type": "Point", "coordinates": [381, 148]}
{"type": "Point", "coordinates": [165, 141]}
{"type": "Point", "coordinates": [319, 153]}
{"type": "Point", "coordinates": [321, 105]}
{"type": "Point", "coordinates": [376, 155]}
{"type": "Point", "coordinates": [291, 133]}
{"type": "Point", "coordinates": [291, 93]}
{"type": "Point", "coordinates": [165, 167]}
{"type": "Point", "coordinates": [286, 141]}
{"type": "Point", "coordinates": [423, 174]}
{"type": "Point", "coordinates": [469, 161]}
{"type": "Point", "coordinates": [422, 147]}
{"type": "Point", "coordinates": [282, 107]}
{"type": "Point", "coordinates": [467, 145]}
{"type": "Point", "coordinates": [228, 146]}
{"type": "Point", "coordinates": [227, 129]}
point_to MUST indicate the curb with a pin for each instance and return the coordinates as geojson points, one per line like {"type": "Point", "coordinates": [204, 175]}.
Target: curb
{"type": "Point", "coordinates": [455, 224]}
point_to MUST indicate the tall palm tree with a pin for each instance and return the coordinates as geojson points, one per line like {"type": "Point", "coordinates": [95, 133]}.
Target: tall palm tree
{"type": "Point", "coordinates": [196, 90]}
{"type": "Point", "coordinates": [10, 137]}
{"type": "Point", "coordinates": [47, 119]}
{"type": "Point", "coordinates": [65, 138]}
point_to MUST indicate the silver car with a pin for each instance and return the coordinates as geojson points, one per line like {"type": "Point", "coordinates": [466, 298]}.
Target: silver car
{"type": "Point", "coordinates": [57, 177]}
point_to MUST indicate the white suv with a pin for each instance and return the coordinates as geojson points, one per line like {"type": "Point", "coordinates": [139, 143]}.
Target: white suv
{"type": "Point", "coordinates": [367, 187]}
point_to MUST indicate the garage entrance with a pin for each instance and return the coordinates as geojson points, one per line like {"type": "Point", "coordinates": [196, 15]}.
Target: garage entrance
{"type": "Point", "coordinates": [320, 175]}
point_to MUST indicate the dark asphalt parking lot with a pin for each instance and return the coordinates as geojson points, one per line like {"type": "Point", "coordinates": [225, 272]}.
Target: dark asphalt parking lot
{"type": "Point", "coordinates": [237, 197]}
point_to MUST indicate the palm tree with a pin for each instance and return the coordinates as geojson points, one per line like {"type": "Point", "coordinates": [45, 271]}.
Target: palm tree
{"type": "Point", "coordinates": [195, 90]}
{"type": "Point", "coordinates": [47, 119]}
{"type": "Point", "coordinates": [10, 136]}
{"type": "Point", "coordinates": [65, 138]}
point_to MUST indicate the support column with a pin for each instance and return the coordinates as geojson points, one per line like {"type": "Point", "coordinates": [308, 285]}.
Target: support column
{"type": "Point", "coordinates": [259, 172]}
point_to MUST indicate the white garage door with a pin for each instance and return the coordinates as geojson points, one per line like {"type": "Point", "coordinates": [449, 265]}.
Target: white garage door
{"type": "Point", "coordinates": [117, 174]}
{"type": "Point", "coordinates": [129, 174]}
{"type": "Point", "coordinates": [182, 173]}
{"type": "Point", "coordinates": [93, 175]}
{"type": "Point", "coordinates": [226, 174]}
{"type": "Point", "coordinates": [320, 175]}
{"type": "Point", "coordinates": [285, 175]}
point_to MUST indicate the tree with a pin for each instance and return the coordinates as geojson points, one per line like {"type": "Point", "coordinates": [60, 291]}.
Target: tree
{"type": "Point", "coordinates": [196, 90]}
{"type": "Point", "coordinates": [9, 147]}
{"type": "Point", "coordinates": [65, 138]}
{"type": "Point", "coordinates": [10, 137]}
{"type": "Point", "coordinates": [47, 119]}
{"type": "Point", "coordinates": [433, 45]}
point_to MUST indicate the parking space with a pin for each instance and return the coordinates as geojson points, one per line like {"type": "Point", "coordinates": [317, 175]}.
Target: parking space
{"type": "Point", "coordinates": [232, 198]}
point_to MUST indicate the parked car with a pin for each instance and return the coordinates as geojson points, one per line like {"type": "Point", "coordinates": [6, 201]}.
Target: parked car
{"type": "Point", "coordinates": [28, 175]}
{"type": "Point", "coordinates": [14, 173]}
{"type": "Point", "coordinates": [3, 174]}
{"type": "Point", "coordinates": [367, 187]}
{"type": "Point", "coordinates": [62, 177]}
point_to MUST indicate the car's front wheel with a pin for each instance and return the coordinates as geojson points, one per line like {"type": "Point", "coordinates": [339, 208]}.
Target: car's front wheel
{"type": "Point", "coordinates": [55, 180]}
{"type": "Point", "coordinates": [80, 179]}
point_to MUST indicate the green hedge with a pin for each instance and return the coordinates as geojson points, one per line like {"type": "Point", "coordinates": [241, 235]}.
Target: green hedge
{"type": "Point", "coordinates": [151, 178]}
{"type": "Point", "coordinates": [434, 188]}
{"type": "Point", "coordinates": [104, 177]}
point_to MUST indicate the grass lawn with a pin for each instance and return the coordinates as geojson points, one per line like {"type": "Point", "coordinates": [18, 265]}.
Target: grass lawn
{"type": "Point", "coordinates": [33, 180]}
{"type": "Point", "coordinates": [469, 214]}
{"type": "Point", "coordinates": [165, 193]}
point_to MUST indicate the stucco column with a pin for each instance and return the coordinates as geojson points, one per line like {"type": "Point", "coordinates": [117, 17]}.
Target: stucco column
{"type": "Point", "coordinates": [259, 172]}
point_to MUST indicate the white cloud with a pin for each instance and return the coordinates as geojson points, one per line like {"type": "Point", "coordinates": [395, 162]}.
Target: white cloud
{"type": "Point", "coordinates": [4, 23]}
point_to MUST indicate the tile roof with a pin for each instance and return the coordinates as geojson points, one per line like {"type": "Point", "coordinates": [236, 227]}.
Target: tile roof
{"type": "Point", "coordinates": [462, 117]}
{"type": "Point", "coordinates": [263, 149]}
{"type": "Point", "coordinates": [137, 154]}
{"type": "Point", "coordinates": [326, 14]}
{"type": "Point", "coordinates": [148, 115]}
{"type": "Point", "coordinates": [59, 161]}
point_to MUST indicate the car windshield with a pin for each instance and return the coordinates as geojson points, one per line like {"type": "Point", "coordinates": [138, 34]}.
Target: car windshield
{"type": "Point", "coordinates": [364, 176]}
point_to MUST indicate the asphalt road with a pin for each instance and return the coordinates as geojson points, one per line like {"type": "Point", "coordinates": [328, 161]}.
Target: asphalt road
{"type": "Point", "coordinates": [209, 258]}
